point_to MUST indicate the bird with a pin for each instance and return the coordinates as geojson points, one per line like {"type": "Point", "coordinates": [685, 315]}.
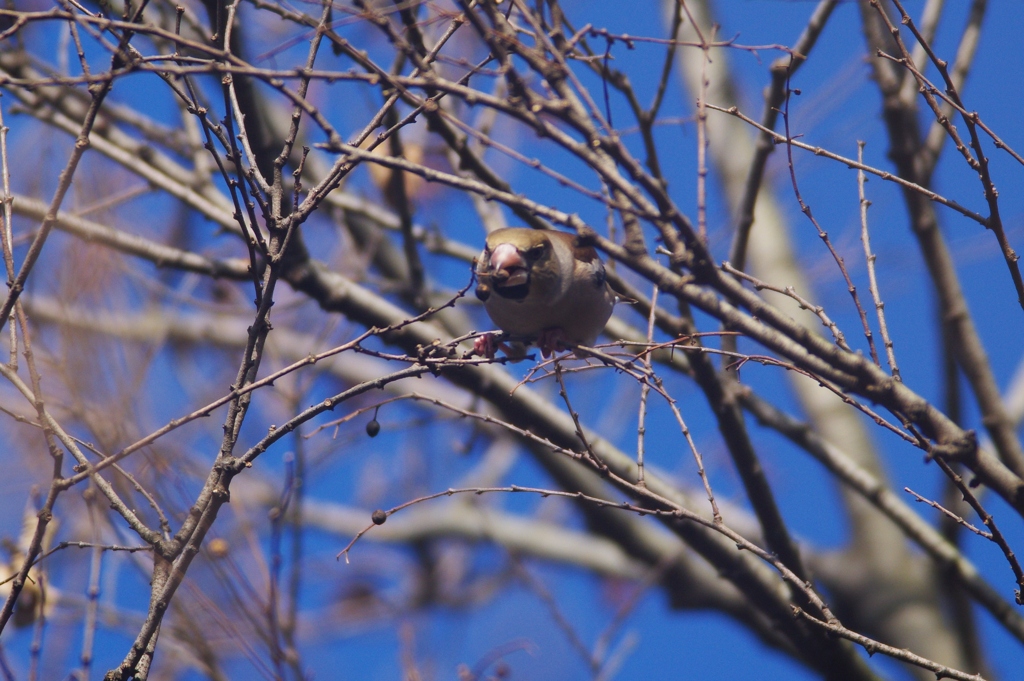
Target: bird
{"type": "Point", "coordinates": [542, 286]}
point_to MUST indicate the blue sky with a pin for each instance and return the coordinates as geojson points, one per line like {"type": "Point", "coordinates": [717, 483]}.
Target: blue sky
{"type": "Point", "coordinates": [838, 106]}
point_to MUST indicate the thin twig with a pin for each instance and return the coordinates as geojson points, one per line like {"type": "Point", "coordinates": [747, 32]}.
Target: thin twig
{"type": "Point", "coordinates": [790, 292]}
{"type": "Point", "coordinates": [853, 164]}
{"type": "Point", "coordinates": [949, 514]}
{"type": "Point", "coordinates": [869, 258]}
{"type": "Point", "coordinates": [7, 233]}
{"type": "Point", "coordinates": [645, 388]}
{"type": "Point", "coordinates": [978, 162]}
{"type": "Point", "coordinates": [823, 235]}
{"type": "Point", "coordinates": [871, 646]}
{"type": "Point", "coordinates": [997, 537]}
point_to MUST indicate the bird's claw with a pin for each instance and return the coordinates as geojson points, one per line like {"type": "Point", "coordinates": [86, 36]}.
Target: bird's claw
{"type": "Point", "coordinates": [551, 341]}
{"type": "Point", "coordinates": [487, 345]}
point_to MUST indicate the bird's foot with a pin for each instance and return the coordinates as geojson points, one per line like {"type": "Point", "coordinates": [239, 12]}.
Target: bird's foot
{"type": "Point", "coordinates": [487, 345]}
{"type": "Point", "coordinates": [551, 341]}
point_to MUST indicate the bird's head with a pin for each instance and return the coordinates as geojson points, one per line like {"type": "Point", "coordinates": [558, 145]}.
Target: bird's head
{"type": "Point", "coordinates": [513, 261]}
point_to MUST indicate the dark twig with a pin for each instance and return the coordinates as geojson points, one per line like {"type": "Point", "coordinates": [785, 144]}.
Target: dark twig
{"type": "Point", "coordinates": [949, 514]}
{"type": "Point", "coordinates": [996, 536]}
{"type": "Point", "coordinates": [979, 162]}
{"type": "Point", "coordinates": [823, 235]}
{"type": "Point", "coordinates": [782, 71]}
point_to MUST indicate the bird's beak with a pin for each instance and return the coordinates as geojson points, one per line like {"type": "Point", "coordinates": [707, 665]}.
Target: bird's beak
{"type": "Point", "coordinates": [508, 268]}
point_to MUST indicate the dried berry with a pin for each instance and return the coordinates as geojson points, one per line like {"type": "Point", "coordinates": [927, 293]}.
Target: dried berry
{"type": "Point", "coordinates": [372, 428]}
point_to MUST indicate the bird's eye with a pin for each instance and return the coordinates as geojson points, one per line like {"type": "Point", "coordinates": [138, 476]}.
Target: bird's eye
{"type": "Point", "coordinates": [536, 251]}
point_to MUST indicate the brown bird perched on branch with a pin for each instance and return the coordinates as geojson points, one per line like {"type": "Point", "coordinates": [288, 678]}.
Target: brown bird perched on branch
{"type": "Point", "coordinates": [542, 286]}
